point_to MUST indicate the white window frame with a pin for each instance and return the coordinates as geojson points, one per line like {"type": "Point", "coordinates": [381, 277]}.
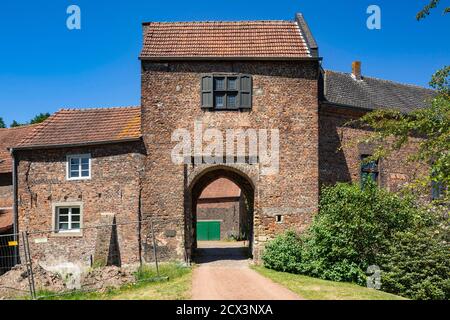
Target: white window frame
{"type": "Point", "coordinates": [55, 218]}
{"type": "Point", "coordinates": [78, 156]}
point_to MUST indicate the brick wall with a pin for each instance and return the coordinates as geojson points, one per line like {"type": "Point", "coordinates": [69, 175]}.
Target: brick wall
{"type": "Point", "coordinates": [113, 188]}
{"type": "Point", "coordinates": [285, 98]}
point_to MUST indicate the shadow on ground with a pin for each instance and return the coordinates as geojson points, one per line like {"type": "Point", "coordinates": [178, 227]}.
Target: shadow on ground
{"type": "Point", "coordinates": [208, 252]}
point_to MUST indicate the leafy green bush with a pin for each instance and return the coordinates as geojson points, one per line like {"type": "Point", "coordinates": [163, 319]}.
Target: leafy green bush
{"type": "Point", "coordinates": [353, 228]}
{"type": "Point", "coordinates": [417, 266]}
{"type": "Point", "coordinates": [284, 253]}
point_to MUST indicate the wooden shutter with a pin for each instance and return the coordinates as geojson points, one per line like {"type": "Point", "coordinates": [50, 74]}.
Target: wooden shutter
{"type": "Point", "coordinates": [245, 93]}
{"type": "Point", "coordinates": [207, 91]}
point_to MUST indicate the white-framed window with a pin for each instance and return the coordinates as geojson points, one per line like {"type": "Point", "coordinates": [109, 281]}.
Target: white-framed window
{"type": "Point", "coordinates": [78, 167]}
{"type": "Point", "coordinates": [68, 219]}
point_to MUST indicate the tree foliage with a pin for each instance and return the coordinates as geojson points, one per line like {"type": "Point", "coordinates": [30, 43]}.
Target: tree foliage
{"type": "Point", "coordinates": [15, 124]}
{"type": "Point", "coordinates": [426, 11]}
{"type": "Point", "coordinates": [2, 123]}
{"type": "Point", "coordinates": [41, 117]}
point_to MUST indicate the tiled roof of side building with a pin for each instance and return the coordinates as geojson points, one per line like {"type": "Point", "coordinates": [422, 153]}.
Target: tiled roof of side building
{"type": "Point", "coordinates": [69, 127]}
{"type": "Point", "coordinates": [226, 39]}
{"type": "Point", "coordinates": [371, 93]}
{"type": "Point", "coordinates": [8, 138]}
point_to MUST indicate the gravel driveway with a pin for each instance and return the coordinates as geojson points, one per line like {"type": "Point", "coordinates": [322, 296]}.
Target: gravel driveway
{"type": "Point", "coordinates": [223, 273]}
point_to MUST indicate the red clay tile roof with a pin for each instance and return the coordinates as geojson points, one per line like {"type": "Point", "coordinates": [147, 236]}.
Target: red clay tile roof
{"type": "Point", "coordinates": [9, 138]}
{"type": "Point", "coordinates": [221, 39]}
{"type": "Point", "coordinates": [6, 219]}
{"type": "Point", "coordinates": [86, 126]}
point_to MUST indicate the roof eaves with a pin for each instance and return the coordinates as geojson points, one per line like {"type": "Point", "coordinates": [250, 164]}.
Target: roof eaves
{"type": "Point", "coordinates": [221, 58]}
{"type": "Point", "coordinates": [72, 145]}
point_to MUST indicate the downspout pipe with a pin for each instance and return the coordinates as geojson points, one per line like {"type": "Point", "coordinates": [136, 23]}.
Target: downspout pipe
{"type": "Point", "coordinates": [15, 205]}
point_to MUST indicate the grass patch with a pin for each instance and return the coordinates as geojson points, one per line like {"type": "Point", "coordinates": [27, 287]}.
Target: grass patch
{"type": "Point", "coordinates": [318, 289]}
{"type": "Point", "coordinates": [174, 283]}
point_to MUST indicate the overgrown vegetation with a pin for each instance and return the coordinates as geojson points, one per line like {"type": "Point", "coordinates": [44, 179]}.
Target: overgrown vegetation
{"type": "Point", "coordinates": [359, 228]}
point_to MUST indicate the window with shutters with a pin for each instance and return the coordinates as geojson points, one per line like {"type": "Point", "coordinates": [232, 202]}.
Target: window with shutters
{"type": "Point", "coordinates": [226, 91]}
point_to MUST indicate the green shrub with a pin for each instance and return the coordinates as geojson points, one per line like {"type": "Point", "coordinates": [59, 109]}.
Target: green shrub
{"type": "Point", "coordinates": [353, 228]}
{"type": "Point", "coordinates": [284, 253]}
{"type": "Point", "coordinates": [417, 266]}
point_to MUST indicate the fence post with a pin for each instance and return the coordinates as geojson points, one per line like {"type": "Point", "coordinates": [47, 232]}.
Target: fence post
{"type": "Point", "coordinates": [28, 264]}
{"type": "Point", "coordinates": [155, 253]}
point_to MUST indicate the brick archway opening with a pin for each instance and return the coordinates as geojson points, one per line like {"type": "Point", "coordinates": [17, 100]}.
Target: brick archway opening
{"type": "Point", "coordinates": [245, 237]}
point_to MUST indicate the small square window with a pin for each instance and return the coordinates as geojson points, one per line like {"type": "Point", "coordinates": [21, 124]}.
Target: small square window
{"type": "Point", "coordinates": [68, 219]}
{"type": "Point", "coordinates": [79, 167]}
{"type": "Point", "coordinates": [279, 218]}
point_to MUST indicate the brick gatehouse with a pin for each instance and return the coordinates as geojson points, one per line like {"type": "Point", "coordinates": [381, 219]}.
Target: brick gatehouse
{"type": "Point", "coordinates": [83, 163]}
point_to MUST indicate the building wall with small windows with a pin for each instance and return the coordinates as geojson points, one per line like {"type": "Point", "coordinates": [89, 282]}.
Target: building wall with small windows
{"type": "Point", "coordinates": [341, 159]}
{"type": "Point", "coordinates": [65, 208]}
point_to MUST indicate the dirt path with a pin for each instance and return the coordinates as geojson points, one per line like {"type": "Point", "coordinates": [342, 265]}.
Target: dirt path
{"type": "Point", "coordinates": [224, 274]}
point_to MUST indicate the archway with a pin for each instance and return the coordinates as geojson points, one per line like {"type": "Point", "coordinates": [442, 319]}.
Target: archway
{"type": "Point", "coordinates": [197, 186]}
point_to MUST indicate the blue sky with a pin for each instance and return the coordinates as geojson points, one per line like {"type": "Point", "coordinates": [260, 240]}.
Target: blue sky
{"type": "Point", "coordinates": [44, 66]}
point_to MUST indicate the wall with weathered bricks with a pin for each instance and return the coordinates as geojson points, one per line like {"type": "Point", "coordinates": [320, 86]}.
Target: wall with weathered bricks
{"type": "Point", "coordinates": [113, 188]}
{"type": "Point", "coordinates": [340, 156]}
{"type": "Point", "coordinates": [285, 98]}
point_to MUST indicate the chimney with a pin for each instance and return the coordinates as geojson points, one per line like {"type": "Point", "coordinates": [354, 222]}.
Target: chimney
{"type": "Point", "coordinates": [356, 70]}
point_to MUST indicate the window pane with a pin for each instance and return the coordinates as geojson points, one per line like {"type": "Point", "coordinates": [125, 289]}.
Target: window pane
{"type": "Point", "coordinates": [84, 161]}
{"type": "Point", "coordinates": [75, 226]}
{"type": "Point", "coordinates": [63, 211]}
{"type": "Point", "coordinates": [231, 100]}
{"type": "Point", "coordinates": [219, 83]}
{"type": "Point", "coordinates": [219, 100]}
{"type": "Point", "coordinates": [85, 166]}
{"type": "Point", "coordinates": [85, 173]}
{"type": "Point", "coordinates": [75, 161]}
{"type": "Point", "coordinates": [232, 84]}
{"type": "Point", "coordinates": [75, 211]}
{"type": "Point", "coordinates": [63, 218]}
{"type": "Point", "coordinates": [75, 218]}
{"type": "Point", "coordinates": [74, 173]}
{"type": "Point", "coordinates": [63, 226]}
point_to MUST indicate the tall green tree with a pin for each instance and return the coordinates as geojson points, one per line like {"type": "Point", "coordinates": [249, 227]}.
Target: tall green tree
{"type": "Point", "coordinates": [2, 123]}
{"type": "Point", "coordinates": [41, 117]}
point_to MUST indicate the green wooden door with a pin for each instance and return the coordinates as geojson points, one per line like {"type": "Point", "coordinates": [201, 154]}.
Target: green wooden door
{"type": "Point", "coordinates": [208, 230]}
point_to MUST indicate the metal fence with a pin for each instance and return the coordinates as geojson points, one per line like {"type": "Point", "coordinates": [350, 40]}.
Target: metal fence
{"type": "Point", "coordinates": [42, 264]}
